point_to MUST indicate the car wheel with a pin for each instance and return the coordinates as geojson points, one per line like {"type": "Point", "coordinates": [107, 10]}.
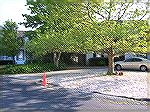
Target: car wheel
{"type": "Point", "coordinates": [118, 67]}
{"type": "Point", "coordinates": [143, 68]}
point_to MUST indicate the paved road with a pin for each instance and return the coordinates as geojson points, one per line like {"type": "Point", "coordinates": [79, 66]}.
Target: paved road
{"type": "Point", "coordinates": [20, 94]}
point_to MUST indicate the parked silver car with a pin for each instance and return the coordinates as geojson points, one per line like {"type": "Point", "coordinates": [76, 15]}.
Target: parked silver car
{"type": "Point", "coordinates": [136, 63]}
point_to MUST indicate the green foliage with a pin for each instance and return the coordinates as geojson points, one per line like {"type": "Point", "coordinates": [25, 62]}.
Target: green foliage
{"type": "Point", "coordinates": [75, 27]}
{"type": "Point", "coordinates": [98, 61]}
{"type": "Point", "coordinates": [111, 27]}
{"type": "Point", "coordinates": [9, 44]}
{"type": "Point", "coordinates": [30, 68]}
{"type": "Point", "coordinates": [5, 62]}
{"type": "Point", "coordinates": [57, 23]}
{"type": "Point", "coordinates": [123, 37]}
{"type": "Point", "coordinates": [118, 27]}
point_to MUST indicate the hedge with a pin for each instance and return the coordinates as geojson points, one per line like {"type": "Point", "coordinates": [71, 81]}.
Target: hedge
{"type": "Point", "coordinates": [102, 61]}
{"type": "Point", "coordinates": [98, 61]}
{"type": "Point", "coordinates": [6, 62]}
{"type": "Point", "coordinates": [30, 68]}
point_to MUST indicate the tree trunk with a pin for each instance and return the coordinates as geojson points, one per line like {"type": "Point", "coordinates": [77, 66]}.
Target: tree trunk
{"type": "Point", "coordinates": [110, 61]}
{"type": "Point", "coordinates": [94, 55]}
{"type": "Point", "coordinates": [56, 58]}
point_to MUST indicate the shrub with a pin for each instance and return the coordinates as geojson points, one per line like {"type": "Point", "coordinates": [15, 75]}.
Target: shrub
{"type": "Point", "coordinates": [31, 68]}
{"type": "Point", "coordinates": [6, 62]}
{"type": "Point", "coordinates": [120, 58]}
{"type": "Point", "coordinates": [102, 61]}
{"type": "Point", "coordinates": [98, 61]}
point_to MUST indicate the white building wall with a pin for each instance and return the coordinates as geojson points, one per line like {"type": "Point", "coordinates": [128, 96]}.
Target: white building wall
{"type": "Point", "coordinates": [129, 55]}
{"type": "Point", "coordinates": [88, 56]}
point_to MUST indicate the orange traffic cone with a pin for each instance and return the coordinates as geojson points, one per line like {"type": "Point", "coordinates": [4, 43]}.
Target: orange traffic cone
{"type": "Point", "coordinates": [44, 82]}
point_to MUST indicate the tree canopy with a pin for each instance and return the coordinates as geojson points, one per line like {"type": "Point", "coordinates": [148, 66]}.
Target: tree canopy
{"type": "Point", "coordinates": [57, 24]}
{"type": "Point", "coordinates": [8, 39]}
{"type": "Point", "coordinates": [87, 26]}
{"type": "Point", "coordinates": [118, 27]}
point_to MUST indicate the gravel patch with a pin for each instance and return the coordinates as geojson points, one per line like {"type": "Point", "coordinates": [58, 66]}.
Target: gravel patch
{"type": "Point", "coordinates": [131, 84]}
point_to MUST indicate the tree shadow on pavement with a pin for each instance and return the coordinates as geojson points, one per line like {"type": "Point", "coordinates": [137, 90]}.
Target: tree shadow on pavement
{"type": "Point", "coordinates": [20, 96]}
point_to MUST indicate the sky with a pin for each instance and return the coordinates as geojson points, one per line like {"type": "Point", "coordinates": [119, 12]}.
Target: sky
{"type": "Point", "coordinates": [13, 9]}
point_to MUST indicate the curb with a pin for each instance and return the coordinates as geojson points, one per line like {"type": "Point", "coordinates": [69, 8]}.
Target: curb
{"type": "Point", "coordinates": [138, 99]}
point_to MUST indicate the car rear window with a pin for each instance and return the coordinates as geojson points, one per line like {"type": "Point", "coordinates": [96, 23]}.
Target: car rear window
{"type": "Point", "coordinates": [129, 60]}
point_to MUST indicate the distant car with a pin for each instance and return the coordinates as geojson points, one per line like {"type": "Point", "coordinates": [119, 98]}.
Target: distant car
{"type": "Point", "coordinates": [136, 63]}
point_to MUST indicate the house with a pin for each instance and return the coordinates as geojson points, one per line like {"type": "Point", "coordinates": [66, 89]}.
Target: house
{"type": "Point", "coordinates": [129, 55]}
{"type": "Point", "coordinates": [20, 58]}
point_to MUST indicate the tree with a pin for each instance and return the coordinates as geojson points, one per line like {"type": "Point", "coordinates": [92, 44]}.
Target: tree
{"type": "Point", "coordinates": [9, 44]}
{"type": "Point", "coordinates": [118, 27]}
{"type": "Point", "coordinates": [55, 23]}
{"type": "Point", "coordinates": [89, 26]}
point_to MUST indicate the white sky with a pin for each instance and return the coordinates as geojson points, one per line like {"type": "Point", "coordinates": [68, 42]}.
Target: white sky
{"type": "Point", "coordinates": [13, 9]}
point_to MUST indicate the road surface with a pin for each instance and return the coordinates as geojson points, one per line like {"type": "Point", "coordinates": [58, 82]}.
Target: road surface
{"type": "Point", "coordinates": [20, 93]}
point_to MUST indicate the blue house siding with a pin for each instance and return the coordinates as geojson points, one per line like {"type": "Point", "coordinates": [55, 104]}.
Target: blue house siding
{"type": "Point", "coordinates": [20, 58]}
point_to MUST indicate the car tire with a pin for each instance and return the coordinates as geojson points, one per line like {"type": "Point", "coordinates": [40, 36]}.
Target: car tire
{"type": "Point", "coordinates": [143, 68]}
{"type": "Point", "coordinates": [118, 67]}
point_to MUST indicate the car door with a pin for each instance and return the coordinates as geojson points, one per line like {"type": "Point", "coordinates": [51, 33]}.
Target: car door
{"type": "Point", "coordinates": [136, 63]}
{"type": "Point", "coordinates": [128, 63]}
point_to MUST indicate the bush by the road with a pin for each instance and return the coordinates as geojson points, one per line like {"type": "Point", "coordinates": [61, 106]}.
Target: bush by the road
{"type": "Point", "coordinates": [30, 68]}
{"type": "Point", "coordinates": [98, 61]}
{"type": "Point", "coordinates": [103, 61]}
{"type": "Point", "coordinates": [6, 62]}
